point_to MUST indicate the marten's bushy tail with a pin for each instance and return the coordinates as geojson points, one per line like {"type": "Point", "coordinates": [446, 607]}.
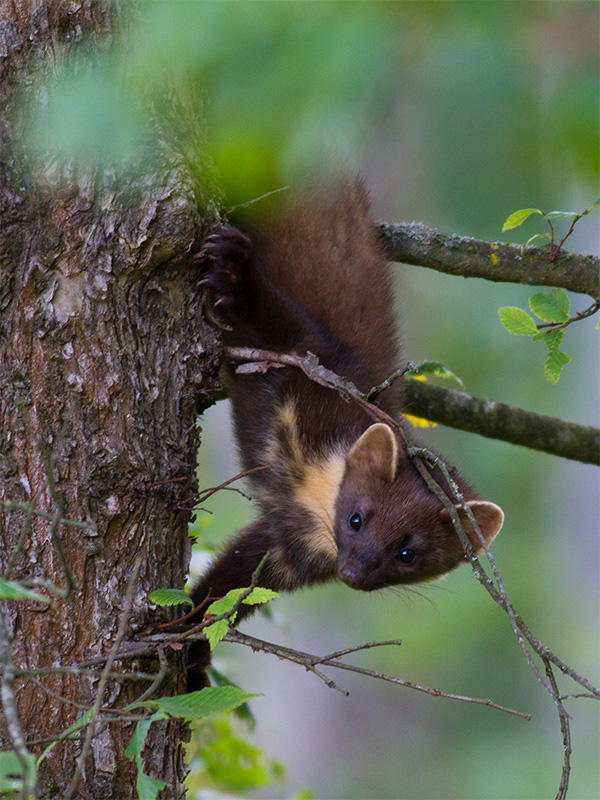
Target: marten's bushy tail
{"type": "Point", "coordinates": [324, 254]}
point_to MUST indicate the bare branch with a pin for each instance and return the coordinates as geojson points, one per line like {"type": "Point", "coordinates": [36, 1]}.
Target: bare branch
{"type": "Point", "coordinates": [565, 727]}
{"type": "Point", "coordinates": [500, 421]}
{"type": "Point", "coordinates": [414, 243]}
{"type": "Point", "coordinates": [308, 661]}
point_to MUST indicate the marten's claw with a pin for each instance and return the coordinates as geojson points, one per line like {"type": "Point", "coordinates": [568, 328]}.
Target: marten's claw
{"type": "Point", "coordinates": [229, 250]}
{"type": "Point", "coordinates": [228, 246]}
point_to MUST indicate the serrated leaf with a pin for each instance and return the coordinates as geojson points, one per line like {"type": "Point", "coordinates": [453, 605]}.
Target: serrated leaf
{"type": "Point", "coordinates": [555, 362]}
{"type": "Point", "coordinates": [242, 712]}
{"type": "Point", "coordinates": [211, 700]}
{"type": "Point", "coordinates": [13, 590]}
{"type": "Point", "coordinates": [434, 368]}
{"type": "Point", "coordinates": [537, 236]}
{"type": "Point", "coordinates": [137, 741]}
{"type": "Point", "coordinates": [562, 214]}
{"type": "Point", "coordinates": [517, 321]}
{"type": "Point", "coordinates": [518, 218]}
{"type": "Point", "coordinates": [147, 787]}
{"type": "Point", "coordinates": [552, 307]}
{"type": "Point", "coordinates": [170, 597]}
{"type": "Point", "coordinates": [552, 339]}
{"type": "Point", "coordinates": [225, 604]}
{"type": "Point", "coordinates": [260, 595]}
{"type": "Point", "coordinates": [217, 631]}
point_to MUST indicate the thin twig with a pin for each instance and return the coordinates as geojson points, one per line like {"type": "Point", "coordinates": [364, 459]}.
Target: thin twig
{"type": "Point", "coordinates": [158, 679]}
{"type": "Point", "coordinates": [14, 505]}
{"type": "Point", "coordinates": [566, 732]}
{"type": "Point", "coordinates": [24, 528]}
{"type": "Point", "coordinates": [588, 312]}
{"type": "Point", "coordinates": [93, 673]}
{"type": "Point", "coordinates": [308, 661]}
{"type": "Point", "coordinates": [206, 493]}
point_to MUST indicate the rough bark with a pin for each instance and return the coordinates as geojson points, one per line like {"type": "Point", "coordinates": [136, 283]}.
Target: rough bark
{"type": "Point", "coordinates": [105, 362]}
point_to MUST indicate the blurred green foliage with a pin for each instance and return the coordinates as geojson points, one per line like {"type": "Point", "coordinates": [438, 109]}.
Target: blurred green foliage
{"type": "Point", "coordinates": [289, 89]}
{"type": "Point", "coordinates": [228, 761]}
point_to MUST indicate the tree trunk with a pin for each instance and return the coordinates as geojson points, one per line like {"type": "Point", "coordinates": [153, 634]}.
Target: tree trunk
{"type": "Point", "coordinates": [105, 362]}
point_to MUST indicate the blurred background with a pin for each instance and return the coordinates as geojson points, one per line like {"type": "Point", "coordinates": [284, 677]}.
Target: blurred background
{"type": "Point", "coordinates": [457, 114]}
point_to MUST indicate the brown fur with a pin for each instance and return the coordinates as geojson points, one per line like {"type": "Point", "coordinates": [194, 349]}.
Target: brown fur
{"type": "Point", "coordinates": [340, 498]}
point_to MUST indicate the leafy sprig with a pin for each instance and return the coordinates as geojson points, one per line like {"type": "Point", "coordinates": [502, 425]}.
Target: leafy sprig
{"type": "Point", "coordinates": [518, 218]}
{"type": "Point", "coordinates": [553, 309]}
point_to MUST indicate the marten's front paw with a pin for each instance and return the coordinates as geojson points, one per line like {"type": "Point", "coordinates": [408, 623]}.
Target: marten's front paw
{"type": "Point", "coordinates": [230, 253]}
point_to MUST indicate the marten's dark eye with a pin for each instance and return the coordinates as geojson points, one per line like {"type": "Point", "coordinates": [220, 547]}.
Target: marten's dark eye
{"type": "Point", "coordinates": [355, 522]}
{"type": "Point", "coordinates": [406, 556]}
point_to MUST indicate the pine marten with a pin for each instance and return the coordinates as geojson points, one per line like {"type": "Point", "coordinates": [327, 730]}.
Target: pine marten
{"type": "Point", "coordinates": [340, 497]}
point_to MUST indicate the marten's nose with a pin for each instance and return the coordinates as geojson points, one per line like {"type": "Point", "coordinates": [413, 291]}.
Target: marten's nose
{"type": "Point", "coordinates": [351, 576]}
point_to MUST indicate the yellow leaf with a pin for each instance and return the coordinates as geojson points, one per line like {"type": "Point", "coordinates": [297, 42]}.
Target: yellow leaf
{"type": "Point", "coordinates": [419, 422]}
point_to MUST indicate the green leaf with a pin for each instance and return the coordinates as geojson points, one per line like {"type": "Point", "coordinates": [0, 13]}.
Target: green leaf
{"type": "Point", "coordinates": [233, 762]}
{"type": "Point", "coordinates": [518, 218]}
{"type": "Point", "coordinates": [211, 700]}
{"type": "Point", "coordinates": [555, 362]}
{"type": "Point", "coordinates": [147, 787]}
{"type": "Point", "coordinates": [137, 741]}
{"type": "Point", "coordinates": [217, 631]}
{"type": "Point", "coordinates": [435, 368]}
{"type": "Point", "coordinates": [517, 321]}
{"type": "Point", "coordinates": [13, 590]}
{"type": "Point", "coordinates": [170, 597]}
{"type": "Point", "coordinates": [242, 712]}
{"type": "Point", "coordinates": [12, 773]}
{"type": "Point", "coordinates": [537, 236]}
{"type": "Point", "coordinates": [562, 214]}
{"type": "Point", "coordinates": [552, 339]}
{"type": "Point", "coordinates": [552, 307]}
{"type": "Point", "coordinates": [260, 595]}
{"type": "Point", "coordinates": [225, 604]}
{"type": "Point", "coordinates": [556, 359]}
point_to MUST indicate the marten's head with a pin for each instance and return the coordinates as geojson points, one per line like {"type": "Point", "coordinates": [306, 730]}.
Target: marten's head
{"type": "Point", "coordinates": [389, 527]}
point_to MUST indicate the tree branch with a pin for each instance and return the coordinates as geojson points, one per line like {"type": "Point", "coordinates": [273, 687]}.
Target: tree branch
{"type": "Point", "coordinates": [490, 418]}
{"type": "Point", "coordinates": [414, 243]}
{"type": "Point", "coordinates": [500, 421]}
{"type": "Point", "coordinates": [308, 661]}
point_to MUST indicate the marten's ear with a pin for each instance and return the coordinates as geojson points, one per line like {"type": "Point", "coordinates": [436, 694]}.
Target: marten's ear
{"type": "Point", "coordinates": [489, 518]}
{"type": "Point", "coordinates": [375, 453]}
